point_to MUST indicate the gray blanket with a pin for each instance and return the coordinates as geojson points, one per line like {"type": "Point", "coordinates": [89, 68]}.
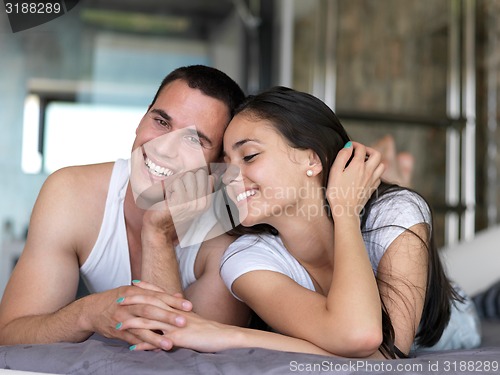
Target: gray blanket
{"type": "Point", "coordinates": [101, 356]}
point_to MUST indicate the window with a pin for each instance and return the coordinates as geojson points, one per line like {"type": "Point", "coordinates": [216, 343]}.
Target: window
{"type": "Point", "coordinates": [60, 133]}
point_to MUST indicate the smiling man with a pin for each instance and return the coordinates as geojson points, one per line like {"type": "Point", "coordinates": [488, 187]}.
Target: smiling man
{"type": "Point", "coordinates": [90, 221]}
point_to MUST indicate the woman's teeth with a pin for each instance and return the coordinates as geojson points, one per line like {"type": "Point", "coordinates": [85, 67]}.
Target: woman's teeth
{"type": "Point", "coordinates": [157, 170]}
{"type": "Point", "coordinates": [245, 195]}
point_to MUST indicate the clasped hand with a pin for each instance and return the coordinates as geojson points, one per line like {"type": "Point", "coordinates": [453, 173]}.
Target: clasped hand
{"type": "Point", "coordinates": [116, 314]}
{"type": "Point", "coordinates": [182, 328]}
{"type": "Point", "coordinates": [184, 197]}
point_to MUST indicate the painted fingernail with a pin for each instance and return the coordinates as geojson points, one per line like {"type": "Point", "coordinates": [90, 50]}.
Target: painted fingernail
{"type": "Point", "coordinates": [348, 144]}
{"type": "Point", "coordinates": [118, 325]}
{"type": "Point", "coordinates": [120, 300]}
{"type": "Point", "coordinates": [132, 347]}
{"type": "Point", "coordinates": [136, 281]}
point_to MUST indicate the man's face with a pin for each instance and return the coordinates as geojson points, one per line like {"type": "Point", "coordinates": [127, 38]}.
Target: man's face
{"type": "Point", "coordinates": [182, 131]}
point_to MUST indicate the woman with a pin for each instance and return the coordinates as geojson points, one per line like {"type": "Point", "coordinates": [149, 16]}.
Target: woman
{"type": "Point", "coordinates": [336, 263]}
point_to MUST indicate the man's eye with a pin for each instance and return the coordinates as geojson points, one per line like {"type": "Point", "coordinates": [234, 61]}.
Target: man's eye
{"type": "Point", "coordinates": [249, 157]}
{"type": "Point", "coordinates": [162, 122]}
{"type": "Point", "coordinates": [193, 140]}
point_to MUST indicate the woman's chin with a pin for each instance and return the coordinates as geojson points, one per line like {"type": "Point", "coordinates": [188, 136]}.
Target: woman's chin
{"type": "Point", "coordinates": [248, 221]}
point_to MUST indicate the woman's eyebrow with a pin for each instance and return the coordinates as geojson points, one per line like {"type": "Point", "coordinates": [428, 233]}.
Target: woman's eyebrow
{"type": "Point", "coordinates": [240, 143]}
{"type": "Point", "coordinates": [243, 141]}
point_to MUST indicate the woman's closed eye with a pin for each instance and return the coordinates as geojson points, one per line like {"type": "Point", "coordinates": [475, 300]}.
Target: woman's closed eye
{"type": "Point", "coordinates": [249, 158]}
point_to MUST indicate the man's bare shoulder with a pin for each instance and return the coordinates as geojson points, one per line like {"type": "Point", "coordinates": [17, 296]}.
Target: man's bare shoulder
{"type": "Point", "coordinates": [72, 198]}
{"type": "Point", "coordinates": [84, 178]}
{"type": "Point", "coordinates": [84, 187]}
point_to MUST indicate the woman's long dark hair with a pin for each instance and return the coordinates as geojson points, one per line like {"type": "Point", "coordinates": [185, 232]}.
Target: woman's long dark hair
{"type": "Point", "coordinates": [307, 123]}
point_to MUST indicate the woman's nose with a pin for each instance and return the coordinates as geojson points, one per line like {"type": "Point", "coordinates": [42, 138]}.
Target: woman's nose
{"type": "Point", "coordinates": [232, 174]}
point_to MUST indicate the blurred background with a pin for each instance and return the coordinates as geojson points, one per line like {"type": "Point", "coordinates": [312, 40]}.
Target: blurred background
{"type": "Point", "coordinates": [427, 72]}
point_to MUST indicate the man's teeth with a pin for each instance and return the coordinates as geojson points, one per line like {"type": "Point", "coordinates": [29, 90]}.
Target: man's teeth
{"type": "Point", "coordinates": [244, 195]}
{"type": "Point", "coordinates": [157, 170]}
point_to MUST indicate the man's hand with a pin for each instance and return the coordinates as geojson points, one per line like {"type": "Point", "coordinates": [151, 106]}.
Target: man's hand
{"type": "Point", "coordinates": [185, 196]}
{"type": "Point", "coordinates": [108, 311]}
{"type": "Point", "coordinates": [195, 332]}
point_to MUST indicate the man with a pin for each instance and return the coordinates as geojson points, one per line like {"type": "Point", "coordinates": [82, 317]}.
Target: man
{"type": "Point", "coordinates": [86, 219]}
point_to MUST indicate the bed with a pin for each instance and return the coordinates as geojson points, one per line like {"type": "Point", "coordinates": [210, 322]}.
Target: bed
{"type": "Point", "coordinates": [98, 355]}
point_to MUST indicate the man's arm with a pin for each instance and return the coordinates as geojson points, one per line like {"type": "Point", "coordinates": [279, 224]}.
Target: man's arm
{"type": "Point", "coordinates": [185, 197]}
{"type": "Point", "coordinates": [46, 277]}
{"type": "Point", "coordinates": [208, 294]}
{"type": "Point", "coordinates": [159, 262]}
{"type": "Point", "coordinates": [38, 304]}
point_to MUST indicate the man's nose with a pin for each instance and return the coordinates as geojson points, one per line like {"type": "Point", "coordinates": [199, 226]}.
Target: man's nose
{"type": "Point", "coordinates": [167, 144]}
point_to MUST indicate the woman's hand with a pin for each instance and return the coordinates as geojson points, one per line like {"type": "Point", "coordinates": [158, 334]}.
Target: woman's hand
{"type": "Point", "coordinates": [350, 186]}
{"type": "Point", "coordinates": [197, 333]}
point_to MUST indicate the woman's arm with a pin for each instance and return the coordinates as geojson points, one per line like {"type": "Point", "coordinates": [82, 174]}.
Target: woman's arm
{"type": "Point", "coordinates": [402, 275]}
{"type": "Point", "coordinates": [209, 336]}
{"type": "Point", "coordinates": [353, 301]}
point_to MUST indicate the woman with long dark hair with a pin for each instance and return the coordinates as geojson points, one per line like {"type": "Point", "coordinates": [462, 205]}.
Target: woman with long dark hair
{"type": "Point", "coordinates": [334, 260]}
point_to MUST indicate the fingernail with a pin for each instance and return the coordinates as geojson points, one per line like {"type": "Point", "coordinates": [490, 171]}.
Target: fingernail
{"type": "Point", "coordinates": [180, 320]}
{"type": "Point", "coordinates": [136, 281]}
{"type": "Point", "coordinates": [132, 347]}
{"type": "Point", "coordinates": [120, 300]}
{"type": "Point", "coordinates": [186, 305]}
{"type": "Point", "coordinates": [348, 144]}
{"type": "Point", "coordinates": [165, 345]}
{"type": "Point", "coordinates": [118, 325]}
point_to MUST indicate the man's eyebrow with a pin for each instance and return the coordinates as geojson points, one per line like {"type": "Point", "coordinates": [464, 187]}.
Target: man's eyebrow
{"type": "Point", "coordinates": [200, 134]}
{"type": "Point", "coordinates": [162, 113]}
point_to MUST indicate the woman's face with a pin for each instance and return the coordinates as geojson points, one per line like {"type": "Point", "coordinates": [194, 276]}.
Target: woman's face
{"type": "Point", "coordinates": [266, 178]}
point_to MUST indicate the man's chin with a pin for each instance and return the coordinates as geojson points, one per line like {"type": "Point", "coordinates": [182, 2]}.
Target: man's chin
{"type": "Point", "coordinates": [146, 203]}
{"type": "Point", "coordinates": [146, 198]}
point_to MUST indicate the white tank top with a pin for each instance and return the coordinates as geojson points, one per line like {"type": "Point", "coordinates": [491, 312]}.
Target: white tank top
{"type": "Point", "coordinates": [108, 265]}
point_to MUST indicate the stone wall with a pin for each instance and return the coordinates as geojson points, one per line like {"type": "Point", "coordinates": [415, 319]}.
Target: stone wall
{"type": "Point", "coordinates": [488, 113]}
{"type": "Point", "coordinates": [392, 57]}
